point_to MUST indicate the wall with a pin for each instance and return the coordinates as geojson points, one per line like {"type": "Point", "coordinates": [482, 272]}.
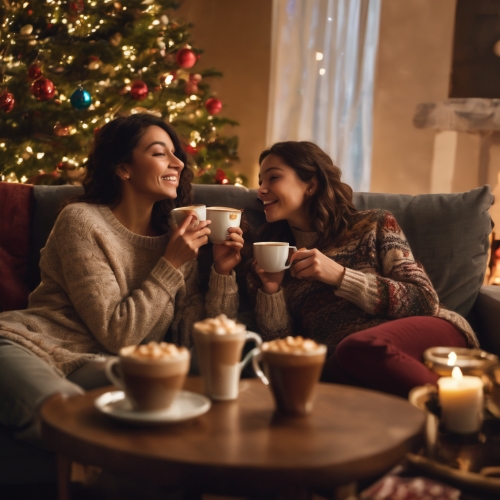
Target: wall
{"type": "Point", "coordinates": [236, 39]}
{"type": "Point", "coordinates": [413, 66]}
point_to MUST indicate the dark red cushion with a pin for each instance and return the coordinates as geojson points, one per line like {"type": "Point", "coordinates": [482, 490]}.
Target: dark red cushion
{"type": "Point", "coordinates": [16, 206]}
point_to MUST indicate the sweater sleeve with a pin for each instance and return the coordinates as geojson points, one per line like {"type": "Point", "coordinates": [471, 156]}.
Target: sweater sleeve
{"type": "Point", "coordinates": [271, 312]}
{"type": "Point", "coordinates": [222, 296]}
{"type": "Point", "coordinates": [114, 318]}
{"type": "Point", "coordinates": [403, 288]}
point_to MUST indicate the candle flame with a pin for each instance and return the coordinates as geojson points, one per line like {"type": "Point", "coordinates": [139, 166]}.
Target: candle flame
{"type": "Point", "coordinates": [456, 373]}
{"type": "Point", "coordinates": [452, 358]}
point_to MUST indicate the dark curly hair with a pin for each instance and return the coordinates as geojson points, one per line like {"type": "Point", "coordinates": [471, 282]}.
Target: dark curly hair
{"type": "Point", "coordinates": [330, 207]}
{"type": "Point", "coordinates": [114, 144]}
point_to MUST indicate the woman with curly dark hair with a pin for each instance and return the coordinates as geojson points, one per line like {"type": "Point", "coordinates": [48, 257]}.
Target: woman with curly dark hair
{"type": "Point", "coordinates": [353, 284]}
{"type": "Point", "coordinates": [116, 271]}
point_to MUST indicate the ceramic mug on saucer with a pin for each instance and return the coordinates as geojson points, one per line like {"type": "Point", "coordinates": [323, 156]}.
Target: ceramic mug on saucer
{"type": "Point", "coordinates": [219, 344]}
{"type": "Point", "coordinates": [292, 368]}
{"type": "Point", "coordinates": [151, 375]}
{"type": "Point", "coordinates": [222, 219]}
{"type": "Point", "coordinates": [272, 256]}
{"type": "Point", "coordinates": [180, 213]}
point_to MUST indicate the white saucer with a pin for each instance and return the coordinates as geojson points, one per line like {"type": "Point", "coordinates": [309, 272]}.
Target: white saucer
{"type": "Point", "coordinates": [185, 406]}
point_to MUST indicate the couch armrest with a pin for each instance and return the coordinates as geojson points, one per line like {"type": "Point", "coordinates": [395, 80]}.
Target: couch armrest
{"type": "Point", "coordinates": [487, 311]}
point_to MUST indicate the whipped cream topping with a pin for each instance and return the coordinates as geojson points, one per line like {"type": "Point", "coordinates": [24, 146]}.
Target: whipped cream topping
{"type": "Point", "coordinates": [295, 345]}
{"type": "Point", "coordinates": [220, 325]}
{"type": "Point", "coordinates": [154, 350]}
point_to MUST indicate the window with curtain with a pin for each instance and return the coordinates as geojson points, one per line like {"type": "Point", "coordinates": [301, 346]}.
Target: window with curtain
{"type": "Point", "coordinates": [322, 77]}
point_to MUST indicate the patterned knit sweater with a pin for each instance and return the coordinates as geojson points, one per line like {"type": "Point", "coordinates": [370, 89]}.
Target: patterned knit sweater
{"type": "Point", "coordinates": [382, 282]}
{"type": "Point", "coordinates": [104, 287]}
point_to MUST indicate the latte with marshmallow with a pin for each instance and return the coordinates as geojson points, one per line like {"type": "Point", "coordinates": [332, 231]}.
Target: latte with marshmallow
{"type": "Point", "coordinates": [150, 374]}
{"type": "Point", "coordinates": [219, 343]}
{"type": "Point", "coordinates": [154, 350]}
{"type": "Point", "coordinates": [293, 367]}
{"type": "Point", "coordinates": [294, 345]}
{"type": "Point", "coordinates": [220, 325]}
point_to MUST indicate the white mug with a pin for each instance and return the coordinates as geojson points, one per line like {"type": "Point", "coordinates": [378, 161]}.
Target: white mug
{"type": "Point", "coordinates": [180, 213]}
{"type": "Point", "coordinates": [222, 219]}
{"type": "Point", "coordinates": [272, 255]}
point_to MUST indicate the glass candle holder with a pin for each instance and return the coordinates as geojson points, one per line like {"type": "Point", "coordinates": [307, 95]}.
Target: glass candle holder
{"type": "Point", "coordinates": [475, 362]}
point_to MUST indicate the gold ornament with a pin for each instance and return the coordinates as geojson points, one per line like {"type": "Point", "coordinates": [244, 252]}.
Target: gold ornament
{"type": "Point", "coordinates": [26, 29]}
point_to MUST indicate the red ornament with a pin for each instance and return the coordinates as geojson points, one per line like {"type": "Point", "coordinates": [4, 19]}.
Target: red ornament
{"type": "Point", "coordinates": [221, 177]}
{"type": "Point", "coordinates": [7, 101]}
{"type": "Point", "coordinates": [61, 130]}
{"type": "Point", "coordinates": [77, 6]}
{"type": "Point", "coordinates": [189, 149]}
{"type": "Point", "coordinates": [34, 72]}
{"type": "Point", "coordinates": [213, 105]}
{"type": "Point", "coordinates": [43, 89]}
{"type": "Point", "coordinates": [186, 58]}
{"type": "Point", "coordinates": [139, 90]}
{"type": "Point", "coordinates": [191, 88]}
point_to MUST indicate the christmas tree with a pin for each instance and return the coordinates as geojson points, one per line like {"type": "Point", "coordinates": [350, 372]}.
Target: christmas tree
{"type": "Point", "coordinates": [68, 67]}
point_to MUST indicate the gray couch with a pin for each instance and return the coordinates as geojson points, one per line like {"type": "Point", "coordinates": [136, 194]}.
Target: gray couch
{"type": "Point", "coordinates": [447, 232]}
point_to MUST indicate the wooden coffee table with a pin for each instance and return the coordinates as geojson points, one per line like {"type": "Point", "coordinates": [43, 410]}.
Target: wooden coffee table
{"type": "Point", "coordinates": [243, 447]}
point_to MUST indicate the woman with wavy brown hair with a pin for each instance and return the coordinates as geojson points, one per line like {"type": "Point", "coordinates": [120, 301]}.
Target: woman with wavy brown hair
{"type": "Point", "coordinates": [353, 284]}
{"type": "Point", "coordinates": [116, 271]}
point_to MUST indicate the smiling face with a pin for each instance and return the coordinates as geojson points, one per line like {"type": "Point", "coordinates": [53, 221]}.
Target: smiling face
{"type": "Point", "coordinates": [283, 193]}
{"type": "Point", "coordinates": [154, 171]}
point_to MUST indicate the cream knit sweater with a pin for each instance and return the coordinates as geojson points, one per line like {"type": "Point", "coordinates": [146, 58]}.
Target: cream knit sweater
{"type": "Point", "coordinates": [104, 287]}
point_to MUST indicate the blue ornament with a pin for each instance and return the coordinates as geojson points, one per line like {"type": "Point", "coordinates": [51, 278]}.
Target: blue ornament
{"type": "Point", "coordinates": [81, 99]}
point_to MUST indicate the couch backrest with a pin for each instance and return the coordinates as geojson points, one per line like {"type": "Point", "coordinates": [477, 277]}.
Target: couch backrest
{"type": "Point", "coordinates": [448, 233]}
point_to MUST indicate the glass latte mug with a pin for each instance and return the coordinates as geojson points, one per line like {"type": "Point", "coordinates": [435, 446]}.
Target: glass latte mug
{"type": "Point", "coordinates": [292, 368]}
{"type": "Point", "coordinates": [219, 344]}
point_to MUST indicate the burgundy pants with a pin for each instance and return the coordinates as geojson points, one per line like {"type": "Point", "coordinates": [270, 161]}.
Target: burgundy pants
{"type": "Point", "coordinates": [389, 357]}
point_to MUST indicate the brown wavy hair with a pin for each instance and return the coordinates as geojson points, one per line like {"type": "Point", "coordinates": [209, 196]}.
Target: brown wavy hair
{"type": "Point", "coordinates": [330, 207]}
{"type": "Point", "coordinates": [114, 144]}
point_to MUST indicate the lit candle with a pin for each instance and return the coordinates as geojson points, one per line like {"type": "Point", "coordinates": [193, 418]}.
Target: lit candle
{"type": "Point", "coordinates": [461, 399]}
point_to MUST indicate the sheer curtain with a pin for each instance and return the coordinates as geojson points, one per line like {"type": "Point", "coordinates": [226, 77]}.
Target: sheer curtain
{"type": "Point", "coordinates": [322, 76]}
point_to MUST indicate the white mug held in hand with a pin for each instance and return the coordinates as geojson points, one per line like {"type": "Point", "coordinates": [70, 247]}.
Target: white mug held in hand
{"type": "Point", "coordinates": [272, 256]}
{"type": "Point", "coordinates": [180, 213]}
{"type": "Point", "coordinates": [222, 219]}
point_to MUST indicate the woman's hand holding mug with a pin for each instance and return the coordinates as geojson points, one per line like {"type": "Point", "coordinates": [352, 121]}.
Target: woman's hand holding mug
{"type": "Point", "coordinates": [312, 265]}
{"type": "Point", "coordinates": [227, 255]}
{"type": "Point", "coordinates": [186, 240]}
{"type": "Point", "coordinates": [271, 262]}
